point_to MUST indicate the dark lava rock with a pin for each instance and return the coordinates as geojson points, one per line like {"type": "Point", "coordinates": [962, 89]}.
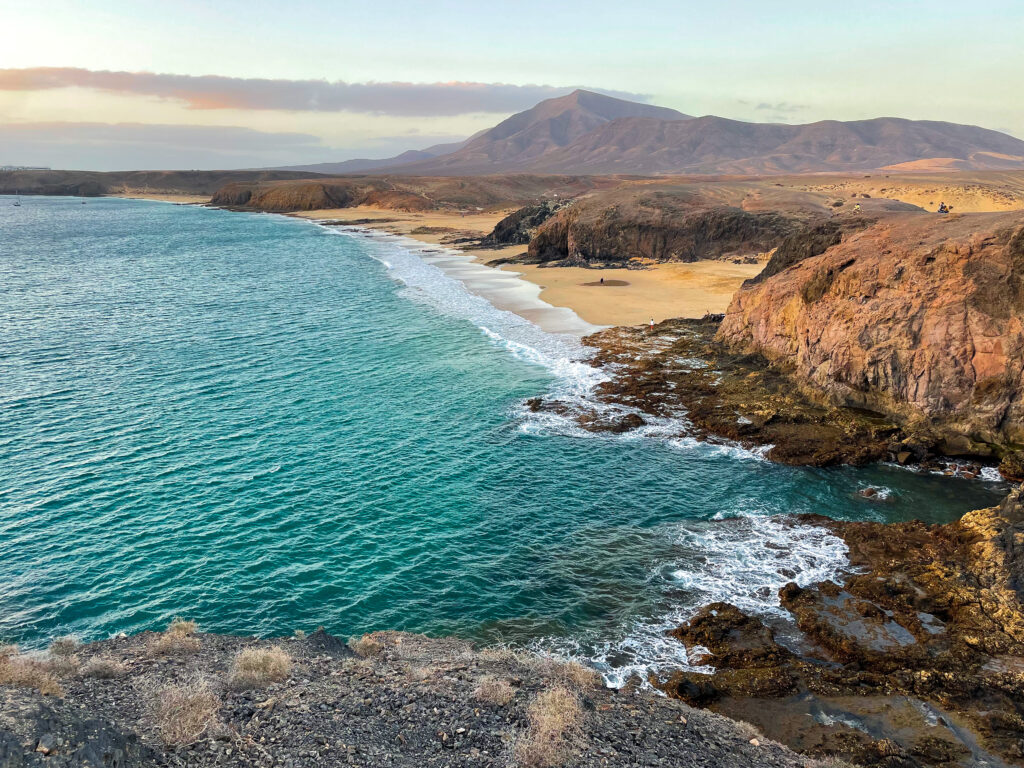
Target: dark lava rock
{"type": "Point", "coordinates": [322, 642]}
{"type": "Point", "coordinates": [921, 646]}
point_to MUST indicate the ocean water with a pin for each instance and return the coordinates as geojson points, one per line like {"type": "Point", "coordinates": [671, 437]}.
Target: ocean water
{"type": "Point", "coordinates": [267, 425]}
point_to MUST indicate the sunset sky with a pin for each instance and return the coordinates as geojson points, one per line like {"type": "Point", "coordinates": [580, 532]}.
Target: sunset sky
{"type": "Point", "coordinates": [115, 85]}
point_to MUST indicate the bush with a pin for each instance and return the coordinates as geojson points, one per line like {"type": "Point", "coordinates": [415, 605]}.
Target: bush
{"type": "Point", "coordinates": [184, 712]}
{"type": "Point", "coordinates": [64, 646]}
{"type": "Point", "coordinates": [28, 673]}
{"type": "Point", "coordinates": [366, 646]}
{"type": "Point", "coordinates": [182, 627]}
{"type": "Point", "coordinates": [555, 718]}
{"type": "Point", "coordinates": [494, 691]}
{"type": "Point", "coordinates": [255, 667]}
{"type": "Point", "coordinates": [176, 639]}
{"type": "Point", "coordinates": [103, 668]}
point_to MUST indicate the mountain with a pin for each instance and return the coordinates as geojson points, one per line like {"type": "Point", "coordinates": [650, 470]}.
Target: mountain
{"type": "Point", "coordinates": [717, 145]}
{"type": "Point", "coordinates": [521, 138]}
{"type": "Point", "coordinates": [525, 138]}
{"type": "Point", "coordinates": [589, 133]}
{"type": "Point", "coordinates": [360, 165]}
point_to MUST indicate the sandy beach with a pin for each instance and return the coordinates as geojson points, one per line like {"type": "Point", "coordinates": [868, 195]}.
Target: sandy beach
{"type": "Point", "coordinates": [627, 297]}
{"type": "Point", "coordinates": [164, 198]}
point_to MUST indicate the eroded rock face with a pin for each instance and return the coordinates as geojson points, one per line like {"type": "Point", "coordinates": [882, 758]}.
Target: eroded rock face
{"type": "Point", "coordinates": [519, 226]}
{"type": "Point", "coordinates": [930, 620]}
{"type": "Point", "coordinates": [666, 228]}
{"type": "Point", "coordinates": [919, 317]}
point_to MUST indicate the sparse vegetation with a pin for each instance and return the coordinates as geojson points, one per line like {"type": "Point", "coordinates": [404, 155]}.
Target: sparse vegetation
{"type": "Point", "coordinates": [103, 668]}
{"type": "Point", "coordinates": [366, 646]}
{"type": "Point", "coordinates": [493, 690]}
{"type": "Point", "coordinates": [64, 646]}
{"type": "Point", "coordinates": [179, 626]}
{"type": "Point", "coordinates": [556, 717]}
{"type": "Point", "coordinates": [184, 712]}
{"type": "Point", "coordinates": [23, 672]}
{"type": "Point", "coordinates": [256, 667]}
{"type": "Point", "coordinates": [177, 639]}
{"type": "Point", "coordinates": [571, 674]}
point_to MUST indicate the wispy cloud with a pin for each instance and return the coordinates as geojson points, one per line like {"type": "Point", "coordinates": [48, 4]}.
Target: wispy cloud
{"type": "Point", "coordinates": [217, 92]}
{"type": "Point", "coordinates": [780, 106]}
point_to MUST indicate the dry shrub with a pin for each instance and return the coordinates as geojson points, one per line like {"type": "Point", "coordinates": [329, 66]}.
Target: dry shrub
{"type": "Point", "coordinates": [493, 690]}
{"type": "Point", "coordinates": [179, 626]}
{"type": "Point", "coordinates": [255, 667]}
{"type": "Point", "coordinates": [184, 712]}
{"type": "Point", "coordinates": [571, 674]}
{"type": "Point", "coordinates": [418, 672]}
{"type": "Point", "coordinates": [748, 731]}
{"type": "Point", "coordinates": [23, 672]}
{"type": "Point", "coordinates": [581, 677]}
{"type": "Point", "coordinates": [829, 762]}
{"type": "Point", "coordinates": [366, 646]}
{"type": "Point", "coordinates": [64, 646]}
{"type": "Point", "coordinates": [103, 668]}
{"type": "Point", "coordinates": [177, 639]}
{"type": "Point", "coordinates": [556, 717]}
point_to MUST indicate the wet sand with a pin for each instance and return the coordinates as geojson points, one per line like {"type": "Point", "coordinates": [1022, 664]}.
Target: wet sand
{"type": "Point", "coordinates": [661, 291]}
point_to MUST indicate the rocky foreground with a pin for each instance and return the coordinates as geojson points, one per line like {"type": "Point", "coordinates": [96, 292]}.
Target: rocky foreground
{"type": "Point", "coordinates": [915, 659]}
{"type": "Point", "coordinates": [181, 698]}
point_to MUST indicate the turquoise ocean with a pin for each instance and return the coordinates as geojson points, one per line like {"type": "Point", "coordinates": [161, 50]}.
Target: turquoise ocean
{"type": "Point", "coordinates": [267, 425]}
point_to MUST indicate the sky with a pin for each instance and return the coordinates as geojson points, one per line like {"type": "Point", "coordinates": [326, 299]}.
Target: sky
{"type": "Point", "coordinates": [117, 85]}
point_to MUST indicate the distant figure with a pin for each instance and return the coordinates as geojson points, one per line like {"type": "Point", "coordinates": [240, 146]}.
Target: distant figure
{"type": "Point", "coordinates": [602, 281]}
{"type": "Point", "coordinates": [856, 208]}
{"type": "Point", "coordinates": [943, 208]}
{"type": "Point", "coordinates": [652, 325]}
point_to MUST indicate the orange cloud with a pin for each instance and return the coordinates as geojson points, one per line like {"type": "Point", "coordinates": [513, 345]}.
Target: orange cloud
{"type": "Point", "coordinates": [216, 92]}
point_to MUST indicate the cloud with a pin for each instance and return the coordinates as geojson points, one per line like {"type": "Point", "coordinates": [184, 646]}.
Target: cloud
{"type": "Point", "coordinates": [217, 92]}
{"type": "Point", "coordinates": [781, 106]}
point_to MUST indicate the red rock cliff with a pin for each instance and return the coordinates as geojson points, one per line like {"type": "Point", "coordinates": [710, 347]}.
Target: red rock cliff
{"type": "Point", "coordinates": [918, 316]}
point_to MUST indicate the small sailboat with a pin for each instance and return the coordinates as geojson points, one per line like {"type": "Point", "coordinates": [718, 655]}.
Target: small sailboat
{"type": "Point", "coordinates": [17, 199]}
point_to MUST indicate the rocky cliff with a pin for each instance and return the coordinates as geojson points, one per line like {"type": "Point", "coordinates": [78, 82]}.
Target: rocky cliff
{"type": "Point", "coordinates": [916, 316]}
{"type": "Point", "coordinates": [587, 235]}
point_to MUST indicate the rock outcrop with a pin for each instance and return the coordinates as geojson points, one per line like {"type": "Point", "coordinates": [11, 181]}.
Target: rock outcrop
{"type": "Point", "coordinates": [519, 227]}
{"type": "Point", "coordinates": [601, 232]}
{"type": "Point", "coordinates": [918, 317]}
{"type": "Point", "coordinates": [918, 654]}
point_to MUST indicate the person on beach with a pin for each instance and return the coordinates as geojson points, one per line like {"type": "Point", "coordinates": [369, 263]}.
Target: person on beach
{"type": "Point", "coordinates": [856, 208]}
{"type": "Point", "coordinates": [602, 281]}
{"type": "Point", "coordinates": [652, 325]}
{"type": "Point", "coordinates": [943, 208]}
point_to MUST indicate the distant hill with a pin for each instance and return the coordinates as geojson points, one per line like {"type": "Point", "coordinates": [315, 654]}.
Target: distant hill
{"type": "Point", "coordinates": [520, 139]}
{"type": "Point", "coordinates": [717, 145]}
{"type": "Point", "coordinates": [586, 132]}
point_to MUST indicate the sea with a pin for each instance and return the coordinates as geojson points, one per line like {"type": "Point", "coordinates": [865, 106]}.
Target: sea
{"type": "Point", "coordinates": [267, 425]}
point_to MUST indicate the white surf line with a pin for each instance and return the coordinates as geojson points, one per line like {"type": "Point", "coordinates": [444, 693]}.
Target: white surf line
{"type": "Point", "coordinates": [503, 289]}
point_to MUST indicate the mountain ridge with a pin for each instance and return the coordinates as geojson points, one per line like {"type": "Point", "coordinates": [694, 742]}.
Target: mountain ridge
{"type": "Point", "coordinates": [590, 133]}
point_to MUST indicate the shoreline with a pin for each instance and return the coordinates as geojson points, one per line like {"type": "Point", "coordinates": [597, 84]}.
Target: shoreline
{"type": "Point", "coordinates": [628, 297]}
{"type": "Point", "coordinates": [745, 687]}
{"type": "Point", "coordinates": [558, 299]}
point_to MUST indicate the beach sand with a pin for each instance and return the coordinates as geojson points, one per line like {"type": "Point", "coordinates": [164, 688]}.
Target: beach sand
{"type": "Point", "coordinates": [169, 198]}
{"type": "Point", "coordinates": [661, 291]}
